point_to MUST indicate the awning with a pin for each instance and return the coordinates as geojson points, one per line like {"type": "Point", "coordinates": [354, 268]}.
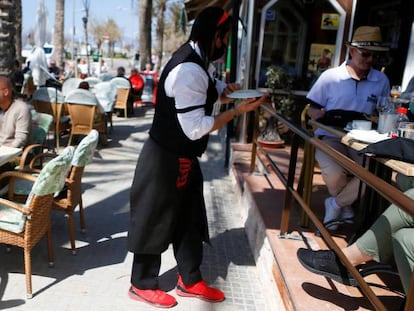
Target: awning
{"type": "Point", "coordinates": [193, 7]}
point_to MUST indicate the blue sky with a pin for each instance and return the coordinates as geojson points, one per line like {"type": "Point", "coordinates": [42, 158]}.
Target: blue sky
{"type": "Point", "coordinates": [99, 10]}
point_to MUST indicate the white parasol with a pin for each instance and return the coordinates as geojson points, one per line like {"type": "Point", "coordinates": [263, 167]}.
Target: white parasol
{"type": "Point", "coordinates": [37, 58]}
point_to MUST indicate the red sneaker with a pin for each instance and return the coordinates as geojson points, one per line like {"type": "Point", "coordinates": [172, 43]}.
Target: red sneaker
{"type": "Point", "coordinates": [154, 297]}
{"type": "Point", "coordinates": [200, 290]}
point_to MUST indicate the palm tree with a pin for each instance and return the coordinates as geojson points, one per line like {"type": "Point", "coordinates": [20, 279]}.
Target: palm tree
{"type": "Point", "coordinates": [18, 27]}
{"type": "Point", "coordinates": [8, 37]}
{"type": "Point", "coordinates": [145, 16]}
{"type": "Point", "coordinates": [160, 10]}
{"type": "Point", "coordinates": [58, 36]}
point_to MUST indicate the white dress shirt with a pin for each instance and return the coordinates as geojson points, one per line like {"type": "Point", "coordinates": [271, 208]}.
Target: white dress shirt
{"type": "Point", "coordinates": [188, 83]}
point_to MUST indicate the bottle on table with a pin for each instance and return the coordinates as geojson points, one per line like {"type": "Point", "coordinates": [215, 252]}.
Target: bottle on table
{"type": "Point", "coordinates": [402, 119]}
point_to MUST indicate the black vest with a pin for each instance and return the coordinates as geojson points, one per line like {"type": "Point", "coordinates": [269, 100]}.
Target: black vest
{"type": "Point", "coordinates": [166, 130]}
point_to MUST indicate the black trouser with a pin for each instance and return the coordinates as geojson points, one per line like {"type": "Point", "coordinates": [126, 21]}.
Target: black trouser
{"type": "Point", "coordinates": [188, 252]}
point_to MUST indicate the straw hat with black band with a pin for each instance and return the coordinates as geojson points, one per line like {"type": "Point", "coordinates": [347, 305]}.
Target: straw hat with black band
{"type": "Point", "coordinates": [368, 38]}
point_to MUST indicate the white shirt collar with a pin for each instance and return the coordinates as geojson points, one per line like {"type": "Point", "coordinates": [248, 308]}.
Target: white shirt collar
{"type": "Point", "coordinates": [211, 69]}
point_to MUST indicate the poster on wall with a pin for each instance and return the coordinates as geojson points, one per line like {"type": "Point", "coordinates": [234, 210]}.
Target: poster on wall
{"type": "Point", "coordinates": [320, 57]}
{"type": "Point", "coordinates": [330, 21]}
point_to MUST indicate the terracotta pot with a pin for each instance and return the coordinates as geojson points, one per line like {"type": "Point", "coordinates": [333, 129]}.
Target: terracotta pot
{"type": "Point", "coordinates": [271, 144]}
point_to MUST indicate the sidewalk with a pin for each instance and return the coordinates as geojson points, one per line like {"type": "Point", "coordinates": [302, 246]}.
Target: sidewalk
{"type": "Point", "coordinates": [97, 278]}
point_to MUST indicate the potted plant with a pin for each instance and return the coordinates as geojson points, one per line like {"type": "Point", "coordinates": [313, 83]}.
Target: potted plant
{"type": "Point", "coordinates": [279, 81]}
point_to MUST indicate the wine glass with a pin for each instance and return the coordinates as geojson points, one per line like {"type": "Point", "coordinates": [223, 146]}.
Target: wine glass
{"type": "Point", "coordinates": [396, 91]}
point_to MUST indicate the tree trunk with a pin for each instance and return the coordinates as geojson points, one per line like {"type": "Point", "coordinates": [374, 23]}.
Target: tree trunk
{"type": "Point", "coordinates": [145, 14]}
{"type": "Point", "coordinates": [160, 32]}
{"type": "Point", "coordinates": [58, 36]}
{"type": "Point", "coordinates": [18, 27]}
{"type": "Point", "coordinates": [7, 36]}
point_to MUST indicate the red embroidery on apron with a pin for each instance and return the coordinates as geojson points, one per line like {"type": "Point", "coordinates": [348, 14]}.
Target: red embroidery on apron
{"type": "Point", "coordinates": [184, 169]}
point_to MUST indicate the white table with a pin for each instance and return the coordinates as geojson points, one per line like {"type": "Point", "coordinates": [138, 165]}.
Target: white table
{"type": "Point", "coordinates": [8, 153]}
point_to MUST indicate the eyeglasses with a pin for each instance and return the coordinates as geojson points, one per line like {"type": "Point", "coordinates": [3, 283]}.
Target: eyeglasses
{"type": "Point", "coordinates": [366, 54]}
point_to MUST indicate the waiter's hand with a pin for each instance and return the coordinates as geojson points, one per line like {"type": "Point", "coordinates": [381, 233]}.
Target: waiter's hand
{"type": "Point", "coordinates": [250, 104]}
{"type": "Point", "coordinates": [231, 87]}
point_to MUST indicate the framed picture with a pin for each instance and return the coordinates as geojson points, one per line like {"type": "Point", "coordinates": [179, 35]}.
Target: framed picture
{"type": "Point", "coordinates": [330, 21]}
{"type": "Point", "coordinates": [320, 57]}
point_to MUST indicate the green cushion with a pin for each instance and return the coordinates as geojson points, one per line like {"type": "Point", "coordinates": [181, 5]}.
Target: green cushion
{"type": "Point", "coordinates": [50, 180]}
{"type": "Point", "coordinates": [22, 186]}
{"type": "Point", "coordinates": [11, 220]}
{"type": "Point", "coordinates": [41, 123]}
{"type": "Point", "coordinates": [84, 152]}
{"type": "Point", "coordinates": [52, 177]}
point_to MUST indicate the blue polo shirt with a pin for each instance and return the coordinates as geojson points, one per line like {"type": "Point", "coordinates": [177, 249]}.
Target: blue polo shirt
{"type": "Point", "coordinates": [336, 89]}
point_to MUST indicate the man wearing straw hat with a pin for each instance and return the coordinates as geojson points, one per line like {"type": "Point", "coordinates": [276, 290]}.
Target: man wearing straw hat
{"type": "Point", "coordinates": [340, 95]}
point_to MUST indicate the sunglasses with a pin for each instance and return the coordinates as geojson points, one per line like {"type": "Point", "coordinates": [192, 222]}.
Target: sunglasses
{"type": "Point", "coordinates": [366, 54]}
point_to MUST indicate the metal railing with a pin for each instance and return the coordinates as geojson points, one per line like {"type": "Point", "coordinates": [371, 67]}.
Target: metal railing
{"type": "Point", "coordinates": [383, 188]}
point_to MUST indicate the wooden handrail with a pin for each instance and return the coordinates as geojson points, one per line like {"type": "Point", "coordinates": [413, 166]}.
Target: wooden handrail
{"type": "Point", "coordinates": [383, 188]}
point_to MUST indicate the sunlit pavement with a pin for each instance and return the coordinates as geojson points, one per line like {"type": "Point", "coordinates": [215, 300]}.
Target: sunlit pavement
{"type": "Point", "coordinates": [97, 278]}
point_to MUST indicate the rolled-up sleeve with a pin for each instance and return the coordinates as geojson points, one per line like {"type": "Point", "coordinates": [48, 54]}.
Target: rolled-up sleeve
{"type": "Point", "coordinates": [188, 84]}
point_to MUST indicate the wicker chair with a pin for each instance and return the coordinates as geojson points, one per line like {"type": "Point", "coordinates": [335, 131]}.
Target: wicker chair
{"type": "Point", "coordinates": [23, 225]}
{"type": "Point", "coordinates": [71, 197]}
{"type": "Point", "coordinates": [85, 114]}
{"type": "Point", "coordinates": [123, 95]}
{"type": "Point", "coordinates": [41, 123]}
{"type": "Point", "coordinates": [121, 101]}
{"type": "Point", "coordinates": [49, 100]}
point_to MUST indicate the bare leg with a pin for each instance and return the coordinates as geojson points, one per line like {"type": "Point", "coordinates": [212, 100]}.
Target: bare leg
{"type": "Point", "coordinates": [355, 255]}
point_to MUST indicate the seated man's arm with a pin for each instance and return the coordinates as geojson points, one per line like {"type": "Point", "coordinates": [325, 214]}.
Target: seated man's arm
{"type": "Point", "coordinates": [315, 111]}
{"type": "Point", "coordinates": [22, 129]}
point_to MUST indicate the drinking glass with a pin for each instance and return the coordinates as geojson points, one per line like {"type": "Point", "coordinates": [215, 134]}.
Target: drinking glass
{"type": "Point", "coordinates": [384, 103]}
{"type": "Point", "coordinates": [396, 91]}
{"type": "Point", "coordinates": [406, 129]}
{"type": "Point", "coordinates": [387, 122]}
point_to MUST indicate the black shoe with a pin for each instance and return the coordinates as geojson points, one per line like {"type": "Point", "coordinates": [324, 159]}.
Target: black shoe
{"type": "Point", "coordinates": [326, 263]}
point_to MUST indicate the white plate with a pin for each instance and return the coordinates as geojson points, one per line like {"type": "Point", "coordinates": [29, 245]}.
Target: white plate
{"type": "Point", "coordinates": [367, 136]}
{"type": "Point", "coordinates": [241, 94]}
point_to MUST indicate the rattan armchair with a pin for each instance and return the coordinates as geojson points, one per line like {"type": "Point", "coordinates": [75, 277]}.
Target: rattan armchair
{"type": "Point", "coordinates": [23, 225]}
{"type": "Point", "coordinates": [85, 114]}
{"type": "Point", "coordinates": [123, 99]}
{"type": "Point", "coordinates": [41, 123]}
{"type": "Point", "coordinates": [49, 100]}
{"type": "Point", "coordinates": [71, 197]}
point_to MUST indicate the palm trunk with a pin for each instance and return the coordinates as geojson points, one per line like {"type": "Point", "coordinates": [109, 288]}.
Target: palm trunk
{"type": "Point", "coordinates": [8, 36]}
